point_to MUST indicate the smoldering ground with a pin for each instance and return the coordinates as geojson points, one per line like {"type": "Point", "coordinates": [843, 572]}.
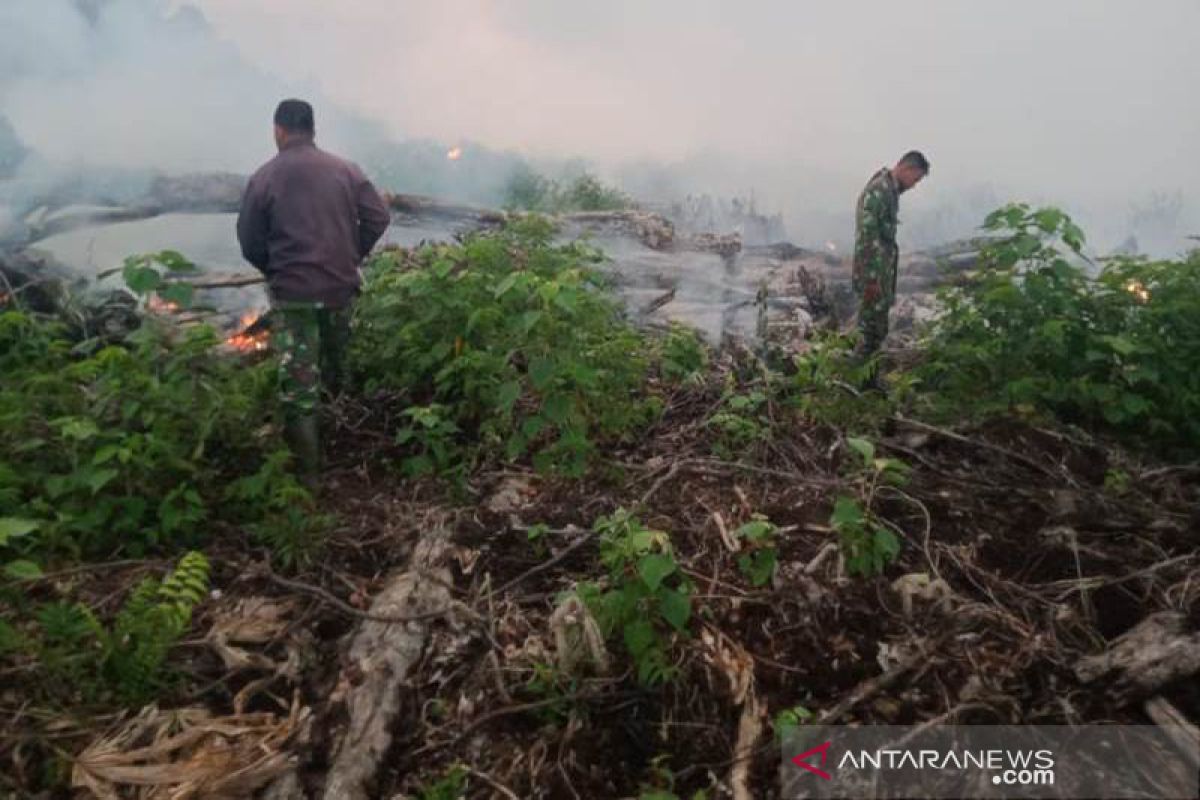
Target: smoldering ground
{"type": "Point", "coordinates": [1081, 104]}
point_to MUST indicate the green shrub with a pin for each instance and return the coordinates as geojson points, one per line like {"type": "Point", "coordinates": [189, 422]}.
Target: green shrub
{"type": "Point", "coordinates": [826, 385]}
{"type": "Point", "coordinates": [124, 449]}
{"type": "Point", "coordinates": [505, 343]}
{"type": "Point", "coordinates": [83, 659]}
{"type": "Point", "coordinates": [646, 599]}
{"type": "Point", "coordinates": [1033, 331]}
{"type": "Point", "coordinates": [760, 557]}
{"type": "Point", "coordinates": [682, 354]}
{"type": "Point", "coordinates": [740, 424]}
{"type": "Point", "coordinates": [530, 191]}
{"type": "Point", "coordinates": [866, 543]}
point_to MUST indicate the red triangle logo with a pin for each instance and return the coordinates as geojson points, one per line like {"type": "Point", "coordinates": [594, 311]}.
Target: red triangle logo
{"type": "Point", "coordinates": [823, 751]}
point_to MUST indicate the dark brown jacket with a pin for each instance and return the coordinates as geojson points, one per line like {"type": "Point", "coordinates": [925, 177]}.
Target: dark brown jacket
{"type": "Point", "coordinates": [307, 219]}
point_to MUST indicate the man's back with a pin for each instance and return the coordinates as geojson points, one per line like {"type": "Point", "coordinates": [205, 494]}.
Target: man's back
{"type": "Point", "coordinates": [307, 220]}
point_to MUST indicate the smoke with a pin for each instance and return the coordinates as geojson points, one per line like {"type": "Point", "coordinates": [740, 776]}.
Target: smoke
{"type": "Point", "coordinates": [96, 96]}
{"type": "Point", "coordinates": [1083, 104]}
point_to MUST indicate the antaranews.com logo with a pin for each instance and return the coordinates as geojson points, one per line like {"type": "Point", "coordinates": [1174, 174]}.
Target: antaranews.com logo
{"type": "Point", "coordinates": [1008, 767]}
{"type": "Point", "coordinates": [987, 761]}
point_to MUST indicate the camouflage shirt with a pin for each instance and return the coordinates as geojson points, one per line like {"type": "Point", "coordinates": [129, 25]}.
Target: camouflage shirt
{"type": "Point", "coordinates": [875, 251]}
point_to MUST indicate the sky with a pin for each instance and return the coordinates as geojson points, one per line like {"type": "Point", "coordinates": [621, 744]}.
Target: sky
{"type": "Point", "coordinates": [1087, 103]}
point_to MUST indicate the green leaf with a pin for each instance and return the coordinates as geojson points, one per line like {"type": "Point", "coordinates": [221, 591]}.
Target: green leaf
{"type": "Point", "coordinates": [639, 636]}
{"type": "Point", "coordinates": [653, 568]}
{"type": "Point", "coordinates": [846, 512]}
{"type": "Point", "coordinates": [863, 447]}
{"type": "Point", "coordinates": [529, 320]}
{"type": "Point", "coordinates": [97, 479]}
{"type": "Point", "coordinates": [175, 261]}
{"type": "Point", "coordinates": [141, 279]}
{"type": "Point", "coordinates": [886, 544]}
{"type": "Point", "coordinates": [675, 607]}
{"type": "Point", "coordinates": [16, 527]}
{"type": "Point", "coordinates": [508, 283]}
{"type": "Point", "coordinates": [558, 407]}
{"type": "Point", "coordinates": [22, 569]}
{"type": "Point", "coordinates": [1120, 345]}
{"type": "Point", "coordinates": [179, 293]}
{"type": "Point", "coordinates": [541, 372]}
{"type": "Point", "coordinates": [507, 395]}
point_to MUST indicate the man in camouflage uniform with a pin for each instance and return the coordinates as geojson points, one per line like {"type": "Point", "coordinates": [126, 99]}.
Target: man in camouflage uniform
{"type": "Point", "coordinates": [876, 255]}
{"type": "Point", "coordinates": [307, 219]}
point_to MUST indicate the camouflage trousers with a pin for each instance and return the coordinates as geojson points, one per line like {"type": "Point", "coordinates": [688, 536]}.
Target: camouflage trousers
{"type": "Point", "coordinates": [875, 301]}
{"type": "Point", "coordinates": [311, 342]}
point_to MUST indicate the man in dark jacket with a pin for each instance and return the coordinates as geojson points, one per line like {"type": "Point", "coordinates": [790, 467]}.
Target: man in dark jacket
{"type": "Point", "coordinates": [307, 219]}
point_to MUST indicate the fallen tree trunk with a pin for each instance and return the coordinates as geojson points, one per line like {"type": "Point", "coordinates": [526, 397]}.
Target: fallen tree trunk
{"type": "Point", "coordinates": [420, 206]}
{"type": "Point", "coordinates": [381, 654]}
{"type": "Point", "coordinates": [220, 280]}
{"type": "Point", "coordinates": [1157, 651]}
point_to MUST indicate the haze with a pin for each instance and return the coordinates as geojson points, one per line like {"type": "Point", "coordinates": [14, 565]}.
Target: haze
{"type": "Point", "coordinates": [1083, 103]}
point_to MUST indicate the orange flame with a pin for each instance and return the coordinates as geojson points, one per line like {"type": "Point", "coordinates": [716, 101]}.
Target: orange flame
{"type": "Point", "coordinates": [248, 342]}
{"type": "Point", "coordinates": [1138, 290]}
{"type": "Point", "coordinates": [159, 306]}
{"type": "Point", "coordinates": [454, 153]}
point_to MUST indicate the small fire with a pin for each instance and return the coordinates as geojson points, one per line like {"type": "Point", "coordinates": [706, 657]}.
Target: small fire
{"type": "Point", "coordinates": [248, 342]}
{"type": "Point", "coordinates": [159, 306]}
{"type": "Point", "coordinates": [454, 153]}
{"type": "Point", "coordinates": [831, 247]}
{"type": "Point", "coordinates": [1138, 290]}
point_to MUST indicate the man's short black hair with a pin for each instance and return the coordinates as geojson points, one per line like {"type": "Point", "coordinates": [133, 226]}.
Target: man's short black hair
{"type": "Point", "coordinates": [915, 158]}
{"type": "Point", "coordinates": [295, 116]}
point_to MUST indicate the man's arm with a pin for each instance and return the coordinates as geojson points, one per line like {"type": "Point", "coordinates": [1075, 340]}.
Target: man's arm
{"type": "Point", "coordinates": [875, 248]}
{"type": "Point", "coordinates": [253, 226]}
{"type": "Point", "coordinates": [373, 217]}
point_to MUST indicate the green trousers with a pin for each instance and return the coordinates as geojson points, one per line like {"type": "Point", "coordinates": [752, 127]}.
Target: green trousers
{"type": "Point", "coordinates": [311, 342]}
{"type": "Point", "coordinates": [875, 301]}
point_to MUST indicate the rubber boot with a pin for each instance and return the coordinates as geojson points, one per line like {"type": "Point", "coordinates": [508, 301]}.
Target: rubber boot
{"type": "Point", "coordinates": [303, 437]}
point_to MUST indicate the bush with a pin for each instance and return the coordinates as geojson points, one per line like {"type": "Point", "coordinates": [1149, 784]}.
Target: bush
{"type": "Point", "coordinates": [121, 450]}
{"type": "Point", "coordinates": [530, 191]}
{"type": "Point", "coordinates": [1034, 331]}
{"type": "Point", "coordinates": [504, 343]}
{"type": "Point", "coordinates": [646, 599]}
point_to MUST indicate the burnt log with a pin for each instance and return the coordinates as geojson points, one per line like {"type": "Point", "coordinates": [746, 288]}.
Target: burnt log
{"type": "Point", "coordinates": [1156, 652]}
{"type": "Point", "coordinates": [415, 205]}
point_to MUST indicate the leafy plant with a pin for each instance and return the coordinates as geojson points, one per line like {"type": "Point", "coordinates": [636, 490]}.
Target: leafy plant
{"type": "Point", "coordinates": [825, 386]}
{"type": "Point", "coordinates": [451, 786]}
{"type": "Point", "coordinates": [662, 783]}
{"type": "Point", "coordinates": [740, 424]}
{"type": "Point", "coordinates": [1038, 330]}
{"type": "Point", "coordinates": [433, 435]}
{"type": "Point", "coordinates": [508, 344]}
{"type": "Point", "coordinates": [528, 190]}
{"type": "Point", "coordinates": [82, 657]}
{"type": "Point", "coordinates": [279, 512]}
{"type": "Point", "coordinates": [790, 718]}
{"type": "Point", "coordinates": [646, 599]}
{"type": "Point", "coordinates": [759, 561]}
{"type": "Point", "coordinates": [150, 274]}
{"type": "Point", "coordinates": [683, 355]}
{"type": "Point", "coordinates": [121, 450]}
{"type": "Point", "coordinates": [548, 682]}
{"type": "Point", "coordinates": [867, 544]}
